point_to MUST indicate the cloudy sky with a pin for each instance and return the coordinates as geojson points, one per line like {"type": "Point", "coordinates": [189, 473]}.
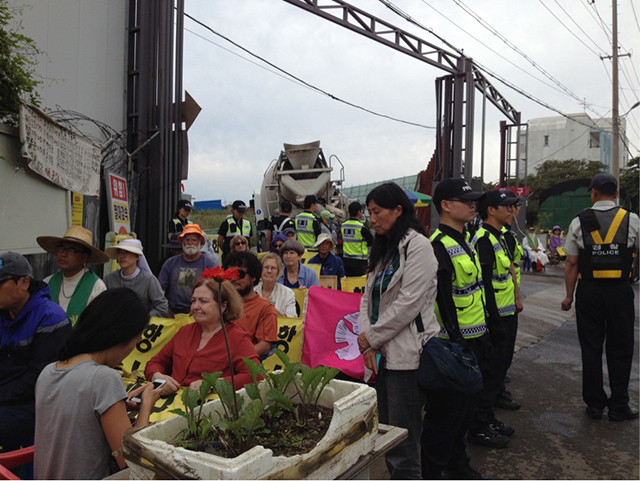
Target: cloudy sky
{"type": "Point", "coordinates": [549, 49]}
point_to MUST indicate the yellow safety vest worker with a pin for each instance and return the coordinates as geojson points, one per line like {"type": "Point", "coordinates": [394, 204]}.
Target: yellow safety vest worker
{"type": "Point", "coordinates": [467, 290]}
{"type": "Point", "coordinates": [304, 230]}
{"type": "Point", "coordinates": [503, 287]}
{"type": "Point", "coordinates": [233, 230]}
{"type": "Point", "coordinates": [517, 255]}
{"type": "Point", "coordinates": [354, 245]}
{"type": "Point", "coordinates": [605, 254]}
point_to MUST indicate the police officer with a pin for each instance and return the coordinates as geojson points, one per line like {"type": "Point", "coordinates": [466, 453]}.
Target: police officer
{"type": "Point", "coordinates": [599, 245]}
{"type": "Point", "coordinates": [233, 225]}
{"type": "Point", "coordinates": [307, 225]}
{"type": "Point", "coordinates": [502, 303]}
{"type": "Point", "coordinates": [460, 313]}
{"type": "Point", "coordinates": [515, 252]}
{"type": "Point", "coordinates": [179, 220]}
{"type": "Point", "coordinates": [356, 238]}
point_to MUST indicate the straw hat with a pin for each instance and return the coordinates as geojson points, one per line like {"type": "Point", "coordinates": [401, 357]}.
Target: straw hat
{"type": "Point", "coordinates": [76, 234]}
{"type": "Point", "coordinates": [325, 237]}
{"type": "Point", "coordinates": [129, 245]}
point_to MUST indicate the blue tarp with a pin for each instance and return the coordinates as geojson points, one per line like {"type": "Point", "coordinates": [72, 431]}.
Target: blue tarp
{"type": "Point", "coordinates": [208, 205]}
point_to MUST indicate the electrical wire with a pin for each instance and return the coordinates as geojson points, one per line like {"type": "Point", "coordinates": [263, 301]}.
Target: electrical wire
{"type": "Point", "coordinates": [303, 82]}
{"type": "Point", "coordinates": [568, 29]}
{"type": "Point", "coordinates": [512, 46]}
{"type": "Point", "coordinates": [633, 9]}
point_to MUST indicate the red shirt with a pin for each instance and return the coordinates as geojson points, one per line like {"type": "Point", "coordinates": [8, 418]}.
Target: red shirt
{"type": "Point", "coordinates": [180, 358]}
{"type": "Point", "coordinates": [260, 319]}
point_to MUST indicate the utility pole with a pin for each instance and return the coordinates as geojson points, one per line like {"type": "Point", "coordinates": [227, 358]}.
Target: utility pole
{"type": "Point", "coordinates": [615, 142]}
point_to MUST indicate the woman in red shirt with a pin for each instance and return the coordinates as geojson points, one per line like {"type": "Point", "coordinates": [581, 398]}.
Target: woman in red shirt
{"type": "Point", "coordinates": [199, 347]}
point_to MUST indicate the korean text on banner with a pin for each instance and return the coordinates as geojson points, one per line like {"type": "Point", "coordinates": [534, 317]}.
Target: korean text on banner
{"type": "Point", "coordinates": [154, 337]}
{"type": "Point", "coordinates": [331, 329]}
{"type": "Point", "coordinates": [289, 342]}
{"type": "Point", "coordinates": [58, 154]}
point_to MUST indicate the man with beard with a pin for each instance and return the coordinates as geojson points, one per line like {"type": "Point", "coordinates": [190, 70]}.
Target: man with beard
{"type": "Point", "coordinates": [179, 273]}
{"type": "Point", "coordinates": [259, 317]}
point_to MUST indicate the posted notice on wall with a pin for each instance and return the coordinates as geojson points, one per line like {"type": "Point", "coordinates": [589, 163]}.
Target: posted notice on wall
{"type": "Point", "coordinates": [58, 154]}
{"type": "Point", "coordinates": [118, 198]}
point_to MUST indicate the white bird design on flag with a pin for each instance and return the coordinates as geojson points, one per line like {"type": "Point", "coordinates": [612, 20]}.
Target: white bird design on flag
{"type": "Point", "coordinates": [347, 330]}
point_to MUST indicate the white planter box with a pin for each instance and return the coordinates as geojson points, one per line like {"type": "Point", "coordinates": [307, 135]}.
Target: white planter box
{"type": "Point", "coordinates": [355, 419]}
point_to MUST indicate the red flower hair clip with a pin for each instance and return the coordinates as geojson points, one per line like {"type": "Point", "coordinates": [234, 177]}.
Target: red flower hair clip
{"type": "Point", "coordinates": [219, 274]}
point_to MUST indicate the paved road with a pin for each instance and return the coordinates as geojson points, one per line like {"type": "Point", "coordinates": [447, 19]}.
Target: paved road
{"type": "Point", "coordinates": [554, 439]}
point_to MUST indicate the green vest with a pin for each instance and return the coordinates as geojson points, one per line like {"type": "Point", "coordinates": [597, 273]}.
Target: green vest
{"type": "Point", "coordinates": [353, 244]}
{"type": "Point", "coordinates": [517, 255]}
{"type": "Point", "coordinates": [80, 296]}
{"type": "Point", "coordinates": [505, 290]}
{"type": "Point", "coordinates": [304, 230]}
{"type": "Point", "coordinates": [467, 290]}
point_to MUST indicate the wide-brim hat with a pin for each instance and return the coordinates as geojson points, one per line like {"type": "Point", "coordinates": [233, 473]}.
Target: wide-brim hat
{"type": "Point", "coordinates": [76, 234]}
{"type": "Point", "coordinates": [325, 237]}
{"type": "Point", "coordinates": [191, 229]}
{"type": "Point", "coordinates": [129, 245]}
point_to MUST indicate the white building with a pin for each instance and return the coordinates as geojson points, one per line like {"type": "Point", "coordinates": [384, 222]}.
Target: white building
{"type": "Point", "coordinates": [577, 136]}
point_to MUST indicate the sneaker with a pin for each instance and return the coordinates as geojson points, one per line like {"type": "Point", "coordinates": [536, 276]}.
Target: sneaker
{"type": "Point", "coordinates": [506, 402]}
{"type": "Point", "coordinates": [487, 437]}
{"type": "Point", "coordinates": [462, 471]}
{"type": "Point", "coordinates": [501, 428]}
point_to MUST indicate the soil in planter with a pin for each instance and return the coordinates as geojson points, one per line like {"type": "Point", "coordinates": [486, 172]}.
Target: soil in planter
{"type": "Point", "coordinates": [285, 436]}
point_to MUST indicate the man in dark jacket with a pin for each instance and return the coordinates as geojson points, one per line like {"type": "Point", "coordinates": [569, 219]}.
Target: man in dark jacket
{"type": "Point", "coordinates": [32, 330]}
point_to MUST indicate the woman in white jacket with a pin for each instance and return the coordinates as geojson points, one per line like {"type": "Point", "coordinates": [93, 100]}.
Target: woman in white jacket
{"type": "Point", "coordinates": [397, 318]}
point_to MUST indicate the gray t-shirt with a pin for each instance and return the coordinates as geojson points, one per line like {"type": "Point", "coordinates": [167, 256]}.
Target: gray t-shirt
{"type": "Point", "coordinates": [69, 441]}
{"type": "Point", "coordinates": [178, 276]}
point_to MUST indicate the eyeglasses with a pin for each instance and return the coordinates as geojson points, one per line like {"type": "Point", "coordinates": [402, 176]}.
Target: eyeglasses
{"type": "Point", "coordinates": [242, 274]}
{"type": "Point", "coordinates": [72, 251]}
{"type": "Point", "coordinates": [277, 246]}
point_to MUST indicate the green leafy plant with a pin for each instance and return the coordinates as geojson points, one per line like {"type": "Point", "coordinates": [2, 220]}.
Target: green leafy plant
{"type": "Point", "coordinates": [239, 426]}
{"type": "Point", "coordinates": [17, 54]}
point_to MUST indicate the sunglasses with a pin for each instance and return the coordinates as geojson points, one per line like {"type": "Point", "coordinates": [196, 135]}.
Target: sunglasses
{"type": "Point", "coordinates": [72, 251]}
{"type": "Point", "coordinates": [241, 274]}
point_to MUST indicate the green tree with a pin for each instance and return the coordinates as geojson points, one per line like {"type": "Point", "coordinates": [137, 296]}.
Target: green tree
{"type": "Point", "coordinates": [16, 67]}
{"type": "Point", "coordinates": [629, 177]}
{"type": "Point", "coordinates": [553, 172]}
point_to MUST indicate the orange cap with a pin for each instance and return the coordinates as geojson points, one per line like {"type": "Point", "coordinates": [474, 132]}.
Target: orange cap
{"type": "Point", "coordinates": [191, 229]}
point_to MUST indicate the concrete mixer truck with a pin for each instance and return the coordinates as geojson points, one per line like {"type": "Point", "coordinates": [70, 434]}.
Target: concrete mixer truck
{"type": "Point", "coordinates": [300, 170]}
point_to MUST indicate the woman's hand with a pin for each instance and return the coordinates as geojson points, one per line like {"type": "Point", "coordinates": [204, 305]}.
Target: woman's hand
{"type": "Point", "coordinates": [363, 342]}
{"type": "Point", "coordinates": [195, 385]}
{"type": "Point", "coordinates": [370, 360]}
{"type": "Point", "coordinates": [168, 387]}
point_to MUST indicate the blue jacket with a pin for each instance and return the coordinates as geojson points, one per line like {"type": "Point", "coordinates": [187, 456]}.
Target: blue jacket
{"type": "Point", "coordinates": [28, 343]}
{"type": "Point", "coordinates": [307, 277]}
{"type": "Point", "coordinates": [331, 266]}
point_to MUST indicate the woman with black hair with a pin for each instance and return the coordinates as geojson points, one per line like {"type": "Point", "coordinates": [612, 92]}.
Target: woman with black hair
{"type": "Point", "coordinates": [81, 402]}
{"type": "Point", "coordinates": [397, 318]}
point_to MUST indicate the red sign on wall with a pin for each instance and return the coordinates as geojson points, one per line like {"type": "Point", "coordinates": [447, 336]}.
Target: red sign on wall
{"type": "Point", "coordinates": [118, 188]}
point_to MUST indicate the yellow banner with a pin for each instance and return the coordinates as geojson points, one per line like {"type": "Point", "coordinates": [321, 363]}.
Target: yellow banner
{"type": "Point", "coordinates": [289, 341]}
{"type": "Point", "coordinates": [156, 335]}
{"type": "Point", "coordinates": [353, 284]}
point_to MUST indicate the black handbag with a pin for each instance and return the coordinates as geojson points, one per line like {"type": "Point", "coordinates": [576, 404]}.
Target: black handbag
{"type": "Point", "coordinates": [449, 366]}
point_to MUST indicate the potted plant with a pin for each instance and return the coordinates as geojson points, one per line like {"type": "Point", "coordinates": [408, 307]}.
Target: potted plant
{"type": "Point", "coordinates": [223, 439]}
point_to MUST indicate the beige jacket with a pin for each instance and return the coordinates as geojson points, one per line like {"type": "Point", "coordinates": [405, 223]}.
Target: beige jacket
{"type": "Point", "coordinates": [412, 292]}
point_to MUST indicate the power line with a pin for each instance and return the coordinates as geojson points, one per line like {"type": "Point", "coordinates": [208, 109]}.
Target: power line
{"type": "Point", "coordinates": [568, 29]}
{"type": "Point", "coordinates": [308, 85]}
{"type": "Point", "coordinates": [633, 9]}
{"type": "Point", "coordinates": [512, 46]}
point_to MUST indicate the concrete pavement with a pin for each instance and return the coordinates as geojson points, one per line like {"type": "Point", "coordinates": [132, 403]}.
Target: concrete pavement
{"type": "Point", "coordinates": [554, 438]}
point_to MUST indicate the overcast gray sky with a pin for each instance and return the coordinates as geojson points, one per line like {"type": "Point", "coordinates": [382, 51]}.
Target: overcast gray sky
{"type": "Point", "coordinates": [249, 109]}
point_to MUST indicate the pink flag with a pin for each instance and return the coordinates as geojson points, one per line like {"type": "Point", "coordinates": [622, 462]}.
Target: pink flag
{"type": "Point", "coordinates": [331, 329]}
